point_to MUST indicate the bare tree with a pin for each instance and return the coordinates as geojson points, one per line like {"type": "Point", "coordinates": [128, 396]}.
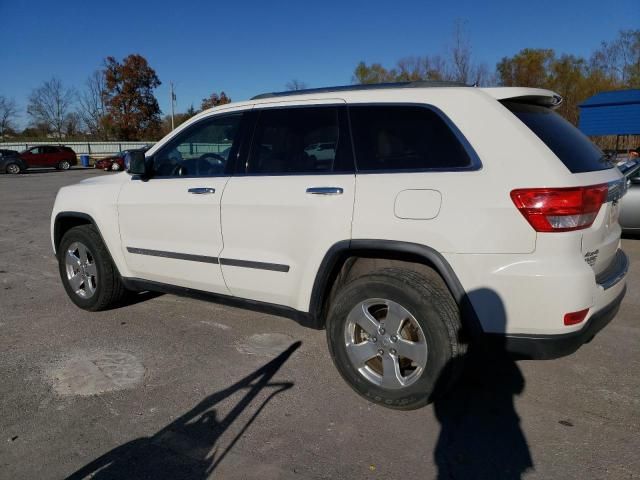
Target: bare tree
{"type": "Point", "coordinates": [72, 124]}
{"type": "Point", "coordinates": [620, 58]}
{"type": "Point", "coordinates": [8, 112]}
{"type": "Point", "coordinates": [51, 104]}
{"type": "Point", "coordinates": [461, 54]}
{"type": "Point", "coordinates": [91, 104]}
{"type": "Point", "coordinates": [295, 85]}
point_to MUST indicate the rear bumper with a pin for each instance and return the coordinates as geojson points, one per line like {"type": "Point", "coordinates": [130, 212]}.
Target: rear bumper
{"type": "Point", "coordinates": [544, 347]}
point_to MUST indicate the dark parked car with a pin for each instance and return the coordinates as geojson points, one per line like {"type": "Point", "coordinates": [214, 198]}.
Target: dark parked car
{"type": "Point", "coordinates": [57, 156]}
{"type": "Point", "coordinates": [10, 162]}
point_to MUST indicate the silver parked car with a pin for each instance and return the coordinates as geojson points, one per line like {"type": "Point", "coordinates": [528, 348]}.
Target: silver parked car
{"type": "Point", "coordinates": [630, 203]}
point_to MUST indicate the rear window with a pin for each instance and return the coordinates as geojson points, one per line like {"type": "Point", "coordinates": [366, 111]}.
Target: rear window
{"type": "Point", "coordinates": [569, 144]}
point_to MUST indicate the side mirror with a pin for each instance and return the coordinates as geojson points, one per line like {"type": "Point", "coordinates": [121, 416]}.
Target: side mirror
{"type": "Point", "coordinates": [136, 163]}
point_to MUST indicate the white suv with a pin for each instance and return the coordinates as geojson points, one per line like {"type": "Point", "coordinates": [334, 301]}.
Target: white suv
{"type": "Point", "coordinates": [437, 216]}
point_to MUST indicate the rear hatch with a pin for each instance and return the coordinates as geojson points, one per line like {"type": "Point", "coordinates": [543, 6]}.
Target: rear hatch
{"type": "Point", "coordinates": [590, 168]}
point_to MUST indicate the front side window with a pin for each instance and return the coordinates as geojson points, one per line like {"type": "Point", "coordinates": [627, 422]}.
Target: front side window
{"type": "Point", "coordinates": [298, 141]}
{"type": "Point", "coordinates": [404, 138]}
{"type": "Point", "coordinates": [201, 151]}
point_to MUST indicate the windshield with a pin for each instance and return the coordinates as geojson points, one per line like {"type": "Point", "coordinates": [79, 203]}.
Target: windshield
{"type": "Point", "coordinates": [569, 144]}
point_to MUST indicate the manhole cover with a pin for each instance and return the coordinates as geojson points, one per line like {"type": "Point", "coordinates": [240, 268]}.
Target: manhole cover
{"type": "Point", "coordinates": [269, 344]}
{"type": "Point", "coordinates": [93, 373]}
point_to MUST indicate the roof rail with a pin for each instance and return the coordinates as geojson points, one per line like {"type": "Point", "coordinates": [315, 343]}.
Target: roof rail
{"type": "Point", "coordinates": [371, 86]}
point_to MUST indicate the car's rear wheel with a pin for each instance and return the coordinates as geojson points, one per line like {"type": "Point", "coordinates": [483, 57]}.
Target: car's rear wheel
{"type": "Point", "coordinates": [64, 165]}
{"type": "Point", "coordinates": [88, 274]}
{"type": "Point", "coordinates": [115, 167]}
{"type": "Point", "coordinates": [13, 168]}
{"type": "Point", "coordinates": [394, 336]}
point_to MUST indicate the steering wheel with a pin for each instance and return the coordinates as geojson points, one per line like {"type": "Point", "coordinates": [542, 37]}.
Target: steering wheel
{"type": "Point", "coordinates": [214, 161]}
{"type": "Point", "coordinates": [178, 171]}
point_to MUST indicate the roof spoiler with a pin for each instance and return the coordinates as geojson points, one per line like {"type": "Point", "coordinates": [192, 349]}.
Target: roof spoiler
{"type": "Point", "coordinates": [533, 96]}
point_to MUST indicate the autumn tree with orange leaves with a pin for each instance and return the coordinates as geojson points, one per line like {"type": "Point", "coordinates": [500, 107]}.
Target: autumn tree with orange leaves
{"type": "Point", "coordinates": [214, 100]}
{"type": "Point", "coordinates": [132, 110]}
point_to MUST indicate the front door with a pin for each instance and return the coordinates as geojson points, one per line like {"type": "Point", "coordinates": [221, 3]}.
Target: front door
{"type": "Point", "coordinates": [290, 201]}
{"type": "Point", "coordinates": [35, 157]}
{"type": "Point", "coordinates": [170, 223]}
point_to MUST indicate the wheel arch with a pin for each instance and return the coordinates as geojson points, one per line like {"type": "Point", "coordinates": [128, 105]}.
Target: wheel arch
{"type": "Point", "coordinates": [66, 220]}
{"type": "Point", "coordinates": [339, 259]}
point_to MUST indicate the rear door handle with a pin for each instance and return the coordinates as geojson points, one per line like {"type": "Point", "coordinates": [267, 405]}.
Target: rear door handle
{"type": "Point", "coordinates": [325, 190]}
{"type": "Point", "coordinates": [202, 190]}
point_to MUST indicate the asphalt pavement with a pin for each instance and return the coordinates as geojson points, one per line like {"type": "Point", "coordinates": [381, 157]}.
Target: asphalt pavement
{"type": "Point", "coordinates": [170, 387]}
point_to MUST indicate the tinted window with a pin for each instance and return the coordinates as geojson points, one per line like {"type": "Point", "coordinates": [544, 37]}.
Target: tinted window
{"type": "Point", "coordinates": [298, 140]}
{"type": "Point", "coordinates": [404, 138]}
{"type": "Point", "coordinates": [569, 144]}
{"type": "Point", "coordinates": [201, 151]}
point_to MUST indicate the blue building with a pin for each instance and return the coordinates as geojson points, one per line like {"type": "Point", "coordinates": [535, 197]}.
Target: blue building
{"type": "Point", "coordinates": [611, 113]}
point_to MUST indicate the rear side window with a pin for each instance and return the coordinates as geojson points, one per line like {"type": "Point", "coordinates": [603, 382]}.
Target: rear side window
{"type": "Point", "coordinates": [299, 141]}
{"type": "Point", "coordinates": [568, 143]}
{"type": "Point", "coordinates": [405, 138]}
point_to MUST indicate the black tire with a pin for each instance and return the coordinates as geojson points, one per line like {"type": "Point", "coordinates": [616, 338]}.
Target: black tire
{"type": "Point", "coordinates": [13, 168]}
{"type": "Point", "coordinates": [110, 290]}
{"type": "Point", "coordinates": [431, 304]}
{"type": "Point", "coordinates": [64, 165]}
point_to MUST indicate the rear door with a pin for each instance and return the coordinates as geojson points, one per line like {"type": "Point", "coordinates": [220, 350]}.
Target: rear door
{"type": "Point", "coordinates": [286, 205]}
{"type": "Point", "coordinates": [589, 166]}
{"type": "Point", "coordinates": [51, 156]}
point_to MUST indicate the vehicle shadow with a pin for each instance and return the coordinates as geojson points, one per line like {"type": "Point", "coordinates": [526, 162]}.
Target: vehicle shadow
{"type": "Point", "coordinates": [480, 434]}
{"type": "Point", "coordinates": [187, 447]}
{"type": "Point", "coordinates": [132, 298]}
{"type": "Point", "coordinates": [36, 170]}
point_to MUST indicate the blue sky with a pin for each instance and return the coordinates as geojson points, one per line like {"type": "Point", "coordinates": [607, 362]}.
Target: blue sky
{"type": "Point", "coordinates": [246, 48]}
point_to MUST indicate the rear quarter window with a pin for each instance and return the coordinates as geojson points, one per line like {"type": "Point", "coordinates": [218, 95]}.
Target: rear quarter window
{"type": "Point", "coordinates": [405, 138]}
{"type": "Point", "coordinates": [570, 145]}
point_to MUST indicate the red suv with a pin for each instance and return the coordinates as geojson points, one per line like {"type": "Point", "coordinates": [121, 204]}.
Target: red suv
{"type": "Point", "coordinates": [56, 156]}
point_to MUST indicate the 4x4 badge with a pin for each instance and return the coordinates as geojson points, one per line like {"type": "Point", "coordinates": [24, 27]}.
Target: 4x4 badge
{"type": "Point", "coordinates": [591, 257]}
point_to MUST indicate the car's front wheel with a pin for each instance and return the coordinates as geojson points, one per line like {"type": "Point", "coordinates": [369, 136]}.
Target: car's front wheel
{"type": "Point", "coordinates": [394, 336]}
{"type": "Point", "coordinates": [88, 274]}
{"type": "Point", "coordinates": [64, 165]}
{"type": "Point", "coordinates": [115, 167]}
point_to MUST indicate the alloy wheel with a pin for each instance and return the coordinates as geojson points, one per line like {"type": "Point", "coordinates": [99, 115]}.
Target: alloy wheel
{"type": "Point", "coordinates": [13, 168]}
{"type": "Point", "coordinates": [385, 343]}
{"type": "Point", "coordinates": [82, 273]}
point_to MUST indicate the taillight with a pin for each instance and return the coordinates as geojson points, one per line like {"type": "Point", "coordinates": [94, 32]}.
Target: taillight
{"type": "Point", "coordinates": [575, 317]}
{"type": "Point", "coordinates": [560, 209]}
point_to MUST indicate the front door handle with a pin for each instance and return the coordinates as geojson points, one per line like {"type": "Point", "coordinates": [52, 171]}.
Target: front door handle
{"type": "Point", "coordinates": [202, 190]}
{"type": "Point", "coordinates": [325, 190]}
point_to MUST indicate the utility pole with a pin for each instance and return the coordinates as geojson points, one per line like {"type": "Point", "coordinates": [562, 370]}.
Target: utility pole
{"type": "Point", "coordinates": [173, 100]}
